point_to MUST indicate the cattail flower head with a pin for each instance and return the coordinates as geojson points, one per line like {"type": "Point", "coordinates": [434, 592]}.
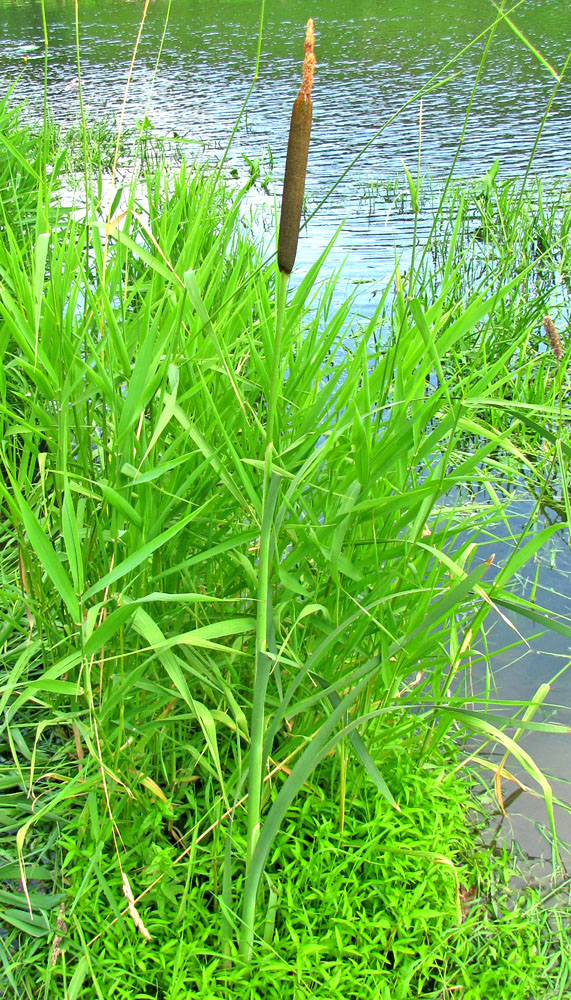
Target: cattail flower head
{"type": "Point", "coordinates": [296, 160]}
{"type": "Point", "coordinates": [553, 338]}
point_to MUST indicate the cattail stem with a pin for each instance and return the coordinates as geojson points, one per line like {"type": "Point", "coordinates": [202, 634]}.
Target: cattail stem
{"type": "Point", "coordinates": [296, 161]}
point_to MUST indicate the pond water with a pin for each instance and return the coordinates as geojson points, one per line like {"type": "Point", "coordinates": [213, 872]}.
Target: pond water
{"type": "Point", "coordinates": [373, 57]}
{"type": "Point", "coordinates": [520, 667]}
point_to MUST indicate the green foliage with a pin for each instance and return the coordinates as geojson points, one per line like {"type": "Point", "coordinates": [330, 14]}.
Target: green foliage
{"type": "Point", "coordinates": [374, 910]}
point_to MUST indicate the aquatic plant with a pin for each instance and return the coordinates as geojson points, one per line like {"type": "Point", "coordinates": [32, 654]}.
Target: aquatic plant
{"type": "Point", "coordinates": [292, 200]}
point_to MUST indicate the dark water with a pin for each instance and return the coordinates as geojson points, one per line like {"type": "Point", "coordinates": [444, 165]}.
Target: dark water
{"type": "Point", "coordinates": [374, 57]}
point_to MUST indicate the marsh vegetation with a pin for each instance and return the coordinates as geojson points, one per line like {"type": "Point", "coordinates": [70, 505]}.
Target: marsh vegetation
{"type": "Point", "coordinates": [139, 515]}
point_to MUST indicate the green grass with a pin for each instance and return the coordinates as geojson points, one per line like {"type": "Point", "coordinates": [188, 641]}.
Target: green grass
{"type": "Point", "coordinates": [375, 910]}
{"type": "Point", "coordinates": [139, 361]}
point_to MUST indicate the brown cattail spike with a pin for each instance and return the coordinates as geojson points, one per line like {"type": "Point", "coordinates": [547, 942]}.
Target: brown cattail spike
{"type": "Point", "coordinates": [553, 338]}
{"type": "Point", "coordinates": [308, 61]}
{"type": "Point", "coordinates": [296, 160]}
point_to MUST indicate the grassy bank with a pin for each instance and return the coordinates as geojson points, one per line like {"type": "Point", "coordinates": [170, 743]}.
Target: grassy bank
{"type": "Point", "coordinates": [138, 352]}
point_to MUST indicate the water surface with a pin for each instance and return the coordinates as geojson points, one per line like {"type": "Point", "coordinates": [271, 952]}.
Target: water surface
{"type": "Point", "coordinates": [373, 58]}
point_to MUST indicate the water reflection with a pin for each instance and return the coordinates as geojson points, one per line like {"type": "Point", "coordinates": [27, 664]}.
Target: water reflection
{"type": "Point", "coordinates": [527, 655]}
{"type": "Point", "coordinates": [372, 60]}
{"type": "Point", "coordinates": [370, 64]}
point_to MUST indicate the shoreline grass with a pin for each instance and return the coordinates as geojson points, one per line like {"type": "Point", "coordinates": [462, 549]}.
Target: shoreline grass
{"type": "Point", "coordinates": [421, 906]}
{"type": "Point", "coordinates": [138, 359]}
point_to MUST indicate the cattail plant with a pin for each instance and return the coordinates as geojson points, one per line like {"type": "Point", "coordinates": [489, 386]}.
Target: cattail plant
{"type": "Point", "coordinates": [292, 201]}
{"type": "Point", "coordinates": [553, 338]}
